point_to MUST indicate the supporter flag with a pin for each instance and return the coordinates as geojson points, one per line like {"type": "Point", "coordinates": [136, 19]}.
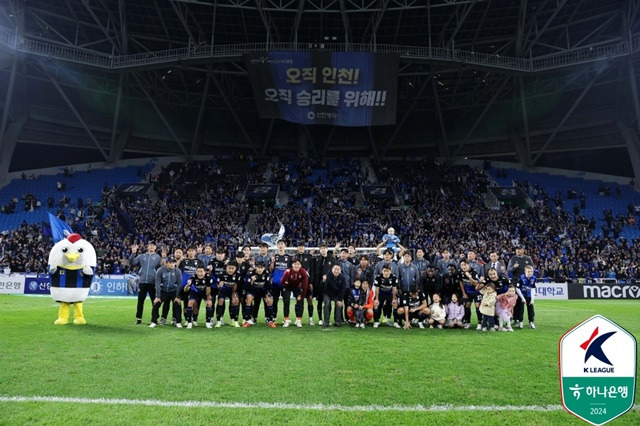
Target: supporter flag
{"type": "Point", "coordinates": [59, 229]}
{"type": "Point", "coordinates": [125, 220]}
{"type": "Point", "coordinates": [272, 239]}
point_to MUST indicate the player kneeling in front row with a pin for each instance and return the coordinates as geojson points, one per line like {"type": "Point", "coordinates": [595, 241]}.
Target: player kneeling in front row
{"type": "Point", "coordinates": [413, 306]}
{"type": "Point", "coordinates": [199, 288]}
{"type": "Point", "coordinates": [228, 285]}
{"type": "Point", "coordinates": [360, 309]}
{"type": "Point", "coordinates": [259, 285]}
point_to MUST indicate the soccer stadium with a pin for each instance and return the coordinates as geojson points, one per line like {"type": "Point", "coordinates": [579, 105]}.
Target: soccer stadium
{"type": "Point", "coordinates": [319, 211]}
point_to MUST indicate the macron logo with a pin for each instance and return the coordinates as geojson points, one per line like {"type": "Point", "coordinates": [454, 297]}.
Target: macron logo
{"type": "Point", "coordinates": [593, 348]}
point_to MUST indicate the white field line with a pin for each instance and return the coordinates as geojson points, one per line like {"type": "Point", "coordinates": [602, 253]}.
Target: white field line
{"type": "Point", "coordinates": [279, 406]}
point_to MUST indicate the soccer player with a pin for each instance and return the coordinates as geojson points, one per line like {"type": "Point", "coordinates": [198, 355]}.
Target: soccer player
{"type": "Point", "coordinates": [280, 262]}
{"type": "Point", "coordinates": [364, 271]}
{"type": "Point", "coordinates": [432, 284]}
{"type": "Point", "coordinates": [228, 285]}
{"type": "Point", "coordinates": [451, 283]}
{"type": "Point", "coordinates": [469, 287]}
{"type": "Point", "coordinates": [244, 270]}
{"type": "Point", "coordinates": [385, 287]}
{"type": "Point", "coordinates": [387, 260]}
{"type": "Point", "coordinates": [217, 265]}
{"type": "Point", "coordinates": [188, 266]}
{"type": "Point", "coordinates": [334, 284]}
{"type": "Point", "coordinates": [413, 306]}
{"type": "Point", "coordinates": [198, 288]}
{"type": "Point", "coordinates": [295, 281]}
{"type": "Point", "coordinates": [264, 257]}
{"type": "Point", "coordinates": [442, 265]}
{"type": "Point", "coordinates": [524, 287]}
{"type": "Point", "coordinates": [323, 265]}
{"type": "Point", "coordinates": [307, 262]}
{"type": "Point", "coordinates": [258, 288]}
{"type": "Point", "coordinates": [207, 256]}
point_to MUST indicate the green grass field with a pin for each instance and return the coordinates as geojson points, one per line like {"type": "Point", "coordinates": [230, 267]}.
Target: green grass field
{"type": "Point", "coordinates": [110, 358]}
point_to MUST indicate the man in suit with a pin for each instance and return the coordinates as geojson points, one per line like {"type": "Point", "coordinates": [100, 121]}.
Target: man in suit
{"type": "Point", "coordinates": [496, 263]}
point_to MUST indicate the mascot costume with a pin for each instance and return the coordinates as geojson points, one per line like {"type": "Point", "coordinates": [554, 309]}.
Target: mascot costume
{"type": "Point", "coordinates": [72, 261]}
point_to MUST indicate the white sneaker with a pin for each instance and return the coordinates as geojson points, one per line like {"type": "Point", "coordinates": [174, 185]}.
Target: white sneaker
{"type": "Point", "coordinates": [440, 326]}
{"type": "Point", "coordinates": [178, 325]}
{"type": "Point", "coordinates": [509, 328]}
{"type": "Point", "coordinates": [483, 328]}
{"type": "Point", "coordinates": [431, 326]}
{"type": "Point", "coordinates": [467, 325]}
{"type": "Point", "coordinates": [189, 325]}
{"type": "Point", "coordinates": [532, 325]}
{"type": "Point", "coordinates": [389, 323]}
{"type": "Point", "coordinates": [319, 322]}
{"type": "Point", "coordinates": [195, 323]}
{"type": "Point", "coordinates": [153, 325]}
{"type": "Point", "coordinates": [479, 327]}
{"type": "Point", "coordinates": [286, 323]}
{"type": "Point", "coordinates": [208, 325]}
{"type": "Point", "coordinates": [520, 324]}
{"type": "Point", "coordinates": [376, 324]}
{"type": "Point", "coordinates": [414, 321]}
{"type": "Point", "coordinates": [396, 325]}
{"type": "Point", "coordinates": [218, 324]}
{"type": "Point", "coordinates": [299, 323]}
{"type": "Point", "coordinates": [251, 322]}
{"type": "Point", "coordinates": [421, 325]}
{"type": "Point", "coordinates": [311, 322]}
{"type": "Point", "coordinates": [235, 324]}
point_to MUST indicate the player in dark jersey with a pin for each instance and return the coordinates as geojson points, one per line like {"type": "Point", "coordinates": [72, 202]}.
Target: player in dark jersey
{"type": "Point", "coordinates": [432, 282]}
{"type": "Point", "coordinates": [386, 293]}
{"type": "Point", "coordinates": [244, 270]}
{"type": "Point", "coordinates": [258, 288]}
{"type": "Point", "coordinates": [469, 286]}
{"type": "Point", "coordinates": [188, 266]}
{"type": "Point", "coordinates": [280, 262]}
{"type": "Point", "coordinates": [450, 284]}
{"type": "Point", "coordinates": [198, 288]}
{"type": "Point", "coordinates": [264, 257]}
{"type": "Point", "coordinates": [217, 265]}
{"type": "Point", "coordinates": [228, 285]}
{"type": "Point", "coordinates": [413, 307]}
{"type": "Point", "coordinates": [307, 262]}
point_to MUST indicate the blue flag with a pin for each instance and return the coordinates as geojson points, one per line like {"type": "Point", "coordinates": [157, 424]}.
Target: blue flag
{"type": "Point", "coordinates": [59, 229]}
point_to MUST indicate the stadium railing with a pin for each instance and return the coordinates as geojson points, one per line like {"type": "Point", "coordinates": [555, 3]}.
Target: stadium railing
{"type": "Point", "coordinates": [204, 51]}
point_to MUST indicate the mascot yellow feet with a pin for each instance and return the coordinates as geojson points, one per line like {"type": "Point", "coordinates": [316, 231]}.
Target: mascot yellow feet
{"type": "Point", "coordinates": [63, 314]}
{"type": "Point", "coordinates": [78, 317]}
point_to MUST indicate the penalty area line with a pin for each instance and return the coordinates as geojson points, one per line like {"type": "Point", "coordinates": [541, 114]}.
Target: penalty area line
{"type": "Point", "coordinates": [278, 406]}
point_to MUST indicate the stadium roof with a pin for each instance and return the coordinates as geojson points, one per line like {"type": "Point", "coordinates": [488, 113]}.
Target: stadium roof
{"type": "Point", "coordinates": [540, 81]}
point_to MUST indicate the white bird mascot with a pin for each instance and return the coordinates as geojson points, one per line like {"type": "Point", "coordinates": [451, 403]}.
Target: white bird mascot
{"type": "Point", "coordinates": [72, 262]}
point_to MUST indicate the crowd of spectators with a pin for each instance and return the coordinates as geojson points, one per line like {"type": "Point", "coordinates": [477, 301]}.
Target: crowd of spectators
{"type": "Point", "coordinates": [437, 207]}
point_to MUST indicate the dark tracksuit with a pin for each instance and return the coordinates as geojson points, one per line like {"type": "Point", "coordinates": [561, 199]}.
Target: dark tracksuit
{"type": "Point", "coordinates": [167, 283]}
{"type": "Point", "coordinates": [148, 265]}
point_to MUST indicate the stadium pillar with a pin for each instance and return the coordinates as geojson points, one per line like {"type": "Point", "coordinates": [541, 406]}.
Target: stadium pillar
{"type": "Point", "coordinates": [9, 140]}
{"type": "Point", "coordinates": [521, 149]}
{"type": "Point", "coordinates": [633, 147]}
{"type": "Point", "coordinates": [123, 137]}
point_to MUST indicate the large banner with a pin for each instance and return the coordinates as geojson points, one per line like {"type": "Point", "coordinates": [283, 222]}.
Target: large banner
{"type": "Point", "coordinates": [552, 291]}
{"type": "Point", "coordinates": [604, 291]}
{"type": "Point", "coordinates": [337, 88]}
{"type": "Point", "coordinates": [37, 284]}
{"type": "Point", "coordinates": [12, 284]}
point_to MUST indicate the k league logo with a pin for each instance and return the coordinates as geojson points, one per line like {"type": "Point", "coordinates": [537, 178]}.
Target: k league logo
{"type": "Point", "coordinates": [597, 362]}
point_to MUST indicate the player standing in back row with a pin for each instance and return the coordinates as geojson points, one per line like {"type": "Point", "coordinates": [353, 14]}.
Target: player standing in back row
{"type": "Point", "coordinates": [280, 262]}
